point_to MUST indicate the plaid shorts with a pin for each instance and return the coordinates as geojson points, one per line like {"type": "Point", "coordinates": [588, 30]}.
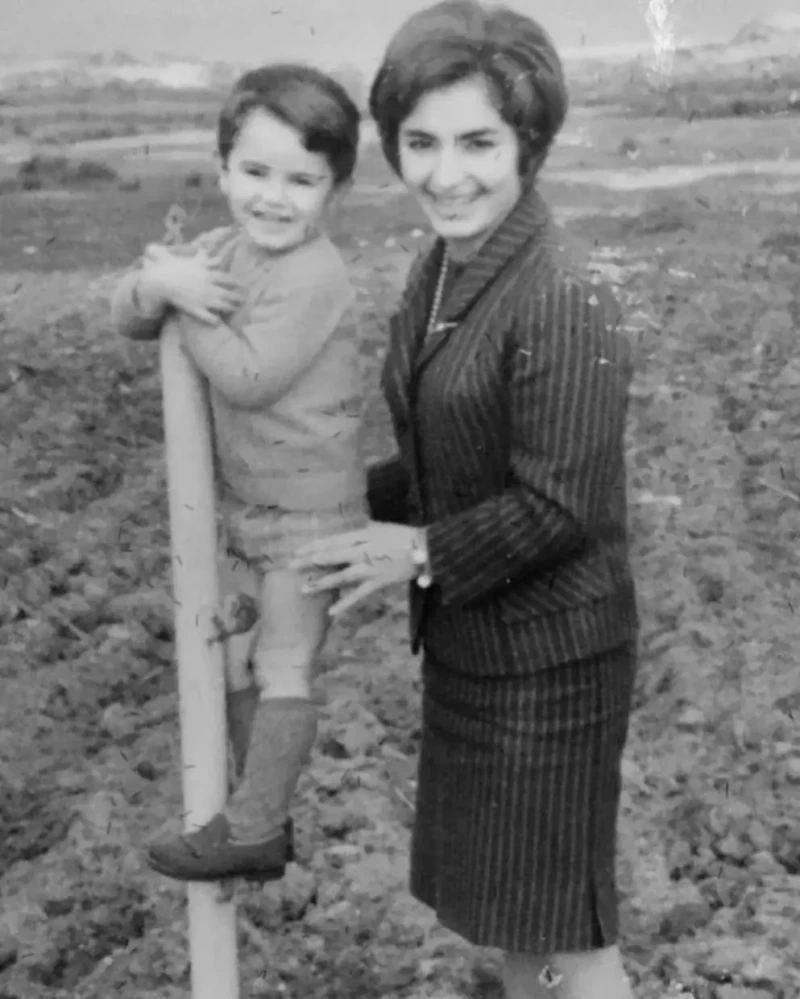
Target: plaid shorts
{"type": "Point", "coordinates": [267, 537]}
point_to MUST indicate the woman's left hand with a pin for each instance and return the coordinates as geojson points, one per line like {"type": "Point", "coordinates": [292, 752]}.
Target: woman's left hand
{"type": "Point", "coordinates": [365, 561]}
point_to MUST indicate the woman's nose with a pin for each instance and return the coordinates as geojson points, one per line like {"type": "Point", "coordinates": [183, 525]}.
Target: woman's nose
{"type": "Point", "coordinates": [447, 172]}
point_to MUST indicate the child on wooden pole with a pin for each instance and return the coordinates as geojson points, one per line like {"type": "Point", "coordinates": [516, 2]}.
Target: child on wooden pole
{"type": "Point", "coordinates": [265, 310]}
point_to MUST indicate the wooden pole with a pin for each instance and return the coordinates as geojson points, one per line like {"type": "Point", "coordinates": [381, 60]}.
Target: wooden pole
{"type": "Point", "coordinates": [201, 681]}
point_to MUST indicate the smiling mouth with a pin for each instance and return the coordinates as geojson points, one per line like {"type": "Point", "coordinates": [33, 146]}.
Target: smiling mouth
{"type": "Point", "coordinates": [454, 206]}
{"type": "Point", "coordinates": [273, 219]}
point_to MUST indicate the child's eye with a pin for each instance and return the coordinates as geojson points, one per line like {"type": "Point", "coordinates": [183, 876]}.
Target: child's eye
{"type": "Point", "coordinates": [482, 144]}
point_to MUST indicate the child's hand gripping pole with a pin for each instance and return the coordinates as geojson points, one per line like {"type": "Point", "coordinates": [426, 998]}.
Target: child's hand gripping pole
{"type": "Point", "coordinates": [201, 681]}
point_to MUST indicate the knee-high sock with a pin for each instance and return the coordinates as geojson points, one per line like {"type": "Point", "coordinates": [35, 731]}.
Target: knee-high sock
{"type": "Point", "coordinates": [241, 707]}
{"type": "Point", "coordinates": [283, 733]}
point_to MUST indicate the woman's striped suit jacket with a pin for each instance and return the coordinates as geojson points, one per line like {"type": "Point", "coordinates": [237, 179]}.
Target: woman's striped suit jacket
{"type": "Point", "coordinates": [510, 430]}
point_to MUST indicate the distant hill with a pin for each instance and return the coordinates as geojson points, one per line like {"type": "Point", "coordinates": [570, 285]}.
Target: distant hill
{"type": "Point", "coordinates": [766, 38]}
{"type": "Point", "coordinates": [92, 70]}
{"type": "Point", "coordinates": [98, 70]}
{"type": "Point", "coordinates": [761, 38]}
{"type": "Point", "coordinates": [779, 29]}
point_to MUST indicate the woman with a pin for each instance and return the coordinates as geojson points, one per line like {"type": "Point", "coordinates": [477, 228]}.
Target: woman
{"type": "Point", "coordinates": [505, 510]}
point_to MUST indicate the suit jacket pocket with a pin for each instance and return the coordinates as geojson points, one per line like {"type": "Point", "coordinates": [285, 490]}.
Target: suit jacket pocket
{"type": "Point", "coordinates": [577, 586]}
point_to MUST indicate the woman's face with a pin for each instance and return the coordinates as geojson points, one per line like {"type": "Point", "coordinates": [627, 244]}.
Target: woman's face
{"type": "Point", "coordinates": [460, 160]}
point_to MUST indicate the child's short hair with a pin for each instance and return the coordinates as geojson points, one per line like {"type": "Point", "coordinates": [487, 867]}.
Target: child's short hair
{"type": "Point", "coordinates": [455, 39]}
{"type": "Point", "coordinates": [304, 98]}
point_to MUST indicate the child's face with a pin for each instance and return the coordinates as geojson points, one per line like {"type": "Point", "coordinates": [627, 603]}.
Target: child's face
{"type": "Point", "coordinates": [277, 190]}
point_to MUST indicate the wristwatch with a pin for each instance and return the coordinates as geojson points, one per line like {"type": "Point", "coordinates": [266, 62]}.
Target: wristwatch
{"type": "Point", "coordinates": [421, 559]}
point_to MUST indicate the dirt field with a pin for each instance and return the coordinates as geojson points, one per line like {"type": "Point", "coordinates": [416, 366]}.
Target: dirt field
{"type": "Point", "coordinates": [710, 837]}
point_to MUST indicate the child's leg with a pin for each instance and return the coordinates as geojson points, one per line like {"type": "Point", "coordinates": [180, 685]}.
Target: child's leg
{"type": "Point", "coordinates": [236, 577]}
{"type": "Point", "coordinates": [294, 626]}
{"type": "Point", "coordinates": [253, 837]}
{"type": "Point", "coordinates": [291, 634]}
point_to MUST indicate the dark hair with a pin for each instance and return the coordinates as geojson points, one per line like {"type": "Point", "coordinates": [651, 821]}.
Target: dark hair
{"type": "Point", "coordinates": [310, 101]}
{"type": "Point", "coordinates": [457, 39]}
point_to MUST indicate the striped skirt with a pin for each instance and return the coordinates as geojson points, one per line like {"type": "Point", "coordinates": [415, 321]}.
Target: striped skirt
{"type": "Point", "coordinates": [514, 841]}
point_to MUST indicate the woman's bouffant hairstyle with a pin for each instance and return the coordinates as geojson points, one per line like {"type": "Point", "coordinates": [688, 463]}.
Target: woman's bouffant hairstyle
{"type": "Point", "coordinates": [457, 39]}
{"type": "Point", "coordinates": [313, 103]}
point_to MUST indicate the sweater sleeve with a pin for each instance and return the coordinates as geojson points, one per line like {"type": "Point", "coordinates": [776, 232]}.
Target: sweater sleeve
{"type": "Point", "coordinates": [289, 324]}
{"type": "Point", "coordinates": [569, 389]}
{"type": "Point", "coordinates": [128, 317]}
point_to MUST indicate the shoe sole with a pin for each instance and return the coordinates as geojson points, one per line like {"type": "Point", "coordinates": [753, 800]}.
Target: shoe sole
{"type": "Point", "coordinates": [251, 877]}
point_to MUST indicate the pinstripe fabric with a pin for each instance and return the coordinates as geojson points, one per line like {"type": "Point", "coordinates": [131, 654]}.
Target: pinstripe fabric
{"type": "Point", "coordinates": [510, 434]}
{"type": "Point", "coordinates": [515, 834]}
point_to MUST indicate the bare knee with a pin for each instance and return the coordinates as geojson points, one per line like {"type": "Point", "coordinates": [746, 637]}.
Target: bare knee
{"type": "Point", "coordinates": [604, 961]}
{"type": "Point", "coordinates": [236, 582]}
{"type": "Point", "coordinates": [293, 629]}
{"type": "Point", "coordinates": [526, 976]}
{"type": "Point", "coordinates": [284, 665]}
{"type": "Point", "coordinates": [594, 974]}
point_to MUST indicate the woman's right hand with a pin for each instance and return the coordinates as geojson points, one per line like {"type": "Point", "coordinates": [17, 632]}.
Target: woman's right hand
{"type": "Point", "coordinates": [195, 284]}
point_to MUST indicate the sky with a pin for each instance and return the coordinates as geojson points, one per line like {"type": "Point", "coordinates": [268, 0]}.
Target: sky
{"type": "Point", "coordinates": [330, 32]}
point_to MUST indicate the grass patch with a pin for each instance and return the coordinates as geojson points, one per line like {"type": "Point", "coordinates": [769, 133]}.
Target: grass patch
{"type": "Point", "coordinates": [43, 172]}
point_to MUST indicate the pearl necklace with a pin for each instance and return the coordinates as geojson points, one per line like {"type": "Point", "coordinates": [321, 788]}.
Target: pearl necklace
{"type": "Point", "coordinates": [433, 321]}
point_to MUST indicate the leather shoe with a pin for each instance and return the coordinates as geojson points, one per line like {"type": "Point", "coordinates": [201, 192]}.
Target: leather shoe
{"type": "Point", "coordinates": [211, 854]}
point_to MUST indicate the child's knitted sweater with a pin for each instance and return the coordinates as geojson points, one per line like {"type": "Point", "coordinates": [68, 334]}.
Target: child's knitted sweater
{"type": "Point", "coordinates": [283, 372]}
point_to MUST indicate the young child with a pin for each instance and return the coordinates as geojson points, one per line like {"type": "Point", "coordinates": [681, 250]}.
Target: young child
{"type": "Point", "coordinates": [265, 310]}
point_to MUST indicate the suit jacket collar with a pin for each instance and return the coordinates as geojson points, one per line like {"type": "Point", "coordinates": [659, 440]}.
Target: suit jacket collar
{"type": "Point", "coordinates": [529, 221]}
{"type": "Point", "coordinates": [528, 225]}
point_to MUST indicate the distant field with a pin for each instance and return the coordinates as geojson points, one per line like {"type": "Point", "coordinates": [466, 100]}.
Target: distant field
{"type": "Point", "coordinates": [695, 90]}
